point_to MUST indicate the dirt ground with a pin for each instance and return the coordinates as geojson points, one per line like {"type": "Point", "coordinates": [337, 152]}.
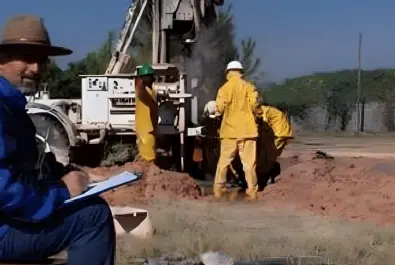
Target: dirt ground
{"type": "Point", "coordinates": [341, 207]}
{"type": "Point", "coordinates": [356, 188]}
{"type": "Point", "coordinates": [155, 185]}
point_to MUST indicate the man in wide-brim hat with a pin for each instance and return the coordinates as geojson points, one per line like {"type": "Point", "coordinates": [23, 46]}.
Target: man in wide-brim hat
{"type": "Point", "coordinates": [33, 225]}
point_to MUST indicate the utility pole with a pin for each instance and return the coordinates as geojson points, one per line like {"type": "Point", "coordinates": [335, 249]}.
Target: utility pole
{"type": "Point", "coordinates": [358, 109]}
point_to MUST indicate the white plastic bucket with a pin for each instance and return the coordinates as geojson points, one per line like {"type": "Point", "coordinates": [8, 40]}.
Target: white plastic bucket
{"type": "Point", "coordinates": [132, 221]}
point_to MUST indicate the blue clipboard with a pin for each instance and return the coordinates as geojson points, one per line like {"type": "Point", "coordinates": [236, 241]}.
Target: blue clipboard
{"type": "Point", "coordinates": [109, 184]}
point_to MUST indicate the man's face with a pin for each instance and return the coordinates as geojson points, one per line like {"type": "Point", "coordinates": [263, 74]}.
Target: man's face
{"type": "Point", "coordinates": [24, 70]}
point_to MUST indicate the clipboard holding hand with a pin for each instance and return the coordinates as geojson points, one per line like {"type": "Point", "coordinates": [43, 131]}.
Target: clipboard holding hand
{"type": "Point", "coordinates": [103, 186]}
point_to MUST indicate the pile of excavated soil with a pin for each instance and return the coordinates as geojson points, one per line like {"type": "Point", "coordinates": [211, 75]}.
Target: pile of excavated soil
{"type": "Point", "coordinates": [155, 184]}
{"type": "Point", "coordinates": [352, 188]}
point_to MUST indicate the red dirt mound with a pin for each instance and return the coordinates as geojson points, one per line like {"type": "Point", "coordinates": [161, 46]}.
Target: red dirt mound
{"type": "Point", "coordinates": [354, 188]}
{"type": "Point", "coordinates": [155, 184]}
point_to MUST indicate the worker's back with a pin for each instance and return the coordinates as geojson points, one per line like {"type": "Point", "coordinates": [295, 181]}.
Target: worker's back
{"type": "Point", "coordinates": [277, 120]}
{"type": "Point", "coordinates": [239, 98]}
{"type": "Point", "coordinates": [146, 113]}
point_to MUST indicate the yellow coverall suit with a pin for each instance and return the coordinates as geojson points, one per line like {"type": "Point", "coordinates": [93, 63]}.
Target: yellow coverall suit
{"type": "Point", "coordinates": [146, 123]}
{"type": "Point", "coordinates": [275, 136]}
{"type": "Point", "coordinates": [236, 100]}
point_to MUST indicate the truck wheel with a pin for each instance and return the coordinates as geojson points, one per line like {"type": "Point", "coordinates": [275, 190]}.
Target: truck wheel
{"type": "Point", "coordinates": [50, 129]}
{"type": "Point", "coordinates": [42, 145]}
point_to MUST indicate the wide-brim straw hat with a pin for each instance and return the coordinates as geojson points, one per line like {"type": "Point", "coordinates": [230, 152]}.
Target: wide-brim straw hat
{"type": "Point", "coordinates": [29, 33]}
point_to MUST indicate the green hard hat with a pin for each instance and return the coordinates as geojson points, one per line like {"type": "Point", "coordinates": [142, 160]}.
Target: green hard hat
{"type": "Point", "coordinates": [145, 69]}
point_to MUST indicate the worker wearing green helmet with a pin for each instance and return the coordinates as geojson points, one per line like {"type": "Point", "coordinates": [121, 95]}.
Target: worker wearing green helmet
{"type": "Point", "coordinates": [146, 113]}
{"type": "Point", "coordinates": [145, 70]}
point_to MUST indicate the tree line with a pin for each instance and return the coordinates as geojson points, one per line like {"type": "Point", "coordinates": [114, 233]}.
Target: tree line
{"type": "Point", "coordinates": [337, 93]}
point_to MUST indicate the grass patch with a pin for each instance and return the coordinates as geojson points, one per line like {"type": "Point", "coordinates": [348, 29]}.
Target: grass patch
{"type": "Point", "coordinates": [251, 232]}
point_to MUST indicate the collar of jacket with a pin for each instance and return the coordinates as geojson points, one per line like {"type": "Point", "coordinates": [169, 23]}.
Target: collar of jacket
{"type": "Point", "coordinates": [232, 74]}
{"type": "Point", "coordinates": [265, 111]}
{"type": "Point", "coordinates": [13, 97]}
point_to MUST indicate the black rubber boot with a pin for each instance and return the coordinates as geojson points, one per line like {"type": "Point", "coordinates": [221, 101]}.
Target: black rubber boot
{"type": "Point", "coordinates": [275, 172]}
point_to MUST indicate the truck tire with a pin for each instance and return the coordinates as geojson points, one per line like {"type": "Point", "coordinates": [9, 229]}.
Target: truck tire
{"type": "Point", "coordinates": [51, 129]}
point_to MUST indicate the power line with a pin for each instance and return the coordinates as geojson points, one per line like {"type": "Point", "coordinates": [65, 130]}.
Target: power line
{"type": "Point", "coordinates": [358, 109]}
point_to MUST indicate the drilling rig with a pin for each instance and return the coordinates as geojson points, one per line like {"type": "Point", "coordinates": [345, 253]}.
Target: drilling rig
{"type": "Point", "coordinates": [107, 105]}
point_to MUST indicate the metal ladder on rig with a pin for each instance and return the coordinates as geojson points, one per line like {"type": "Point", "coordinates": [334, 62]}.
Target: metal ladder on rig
{"type": "Point", "coordinates": [119, 57]}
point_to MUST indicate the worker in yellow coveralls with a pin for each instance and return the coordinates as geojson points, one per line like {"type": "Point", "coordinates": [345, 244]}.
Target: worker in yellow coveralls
{"type": "Point", "coordinates": [146, 114]}
{"type": "Point", "coordinates": [274, 135]}
{"type": "Point", "coordinates": [236, 101]}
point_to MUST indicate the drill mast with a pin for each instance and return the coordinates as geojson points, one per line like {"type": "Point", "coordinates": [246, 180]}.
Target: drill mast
{"type": "Point", "coordinates": [179, 20]}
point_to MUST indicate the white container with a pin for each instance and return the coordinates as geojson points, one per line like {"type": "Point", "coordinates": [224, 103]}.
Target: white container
{"type": "Point", "coordinates": [132, 221]}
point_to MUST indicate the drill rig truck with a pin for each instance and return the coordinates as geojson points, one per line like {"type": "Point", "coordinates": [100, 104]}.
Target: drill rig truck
{"type": "Point", "coordinates": [107, 105]}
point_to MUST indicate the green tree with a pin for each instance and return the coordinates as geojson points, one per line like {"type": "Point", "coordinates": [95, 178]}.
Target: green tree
{"type": "Point", "coordinates": [67, 84]}
{"type": "Point", "coordinates": [214, 49]}
{"type": "Point", "coordinates": [337, 93]}
{"type": "Point", "coordinates": [250, 62]}
{"type": "Point", "coordinates": [96, 62]}
{"type": "Point", "coordinates": [52, 77]}
{"type": "Point", "coordinates": [296, 95]}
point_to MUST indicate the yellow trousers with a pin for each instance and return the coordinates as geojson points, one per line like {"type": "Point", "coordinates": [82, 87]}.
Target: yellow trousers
{"type": "Point", "coordinates": [146, 147]}
{"type": "Point", "coordinates": [247, 152]}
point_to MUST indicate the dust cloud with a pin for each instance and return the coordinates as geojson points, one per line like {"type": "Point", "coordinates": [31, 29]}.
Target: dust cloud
{"type": "Point", "coordinates": [206, 62]}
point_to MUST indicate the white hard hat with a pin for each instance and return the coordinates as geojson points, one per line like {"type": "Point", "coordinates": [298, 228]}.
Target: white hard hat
{"type": "Point", "coordinates": [211, 107]}
{"type": "Point", "coordinates": [234, 65]}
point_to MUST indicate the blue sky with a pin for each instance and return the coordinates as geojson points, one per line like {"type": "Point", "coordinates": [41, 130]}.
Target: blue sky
{"type": "Point", "coordinates": [293, 37]}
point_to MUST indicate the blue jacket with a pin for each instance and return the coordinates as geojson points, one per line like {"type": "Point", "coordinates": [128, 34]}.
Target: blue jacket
{"type": "Point", "coordinates": [22, 193]}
